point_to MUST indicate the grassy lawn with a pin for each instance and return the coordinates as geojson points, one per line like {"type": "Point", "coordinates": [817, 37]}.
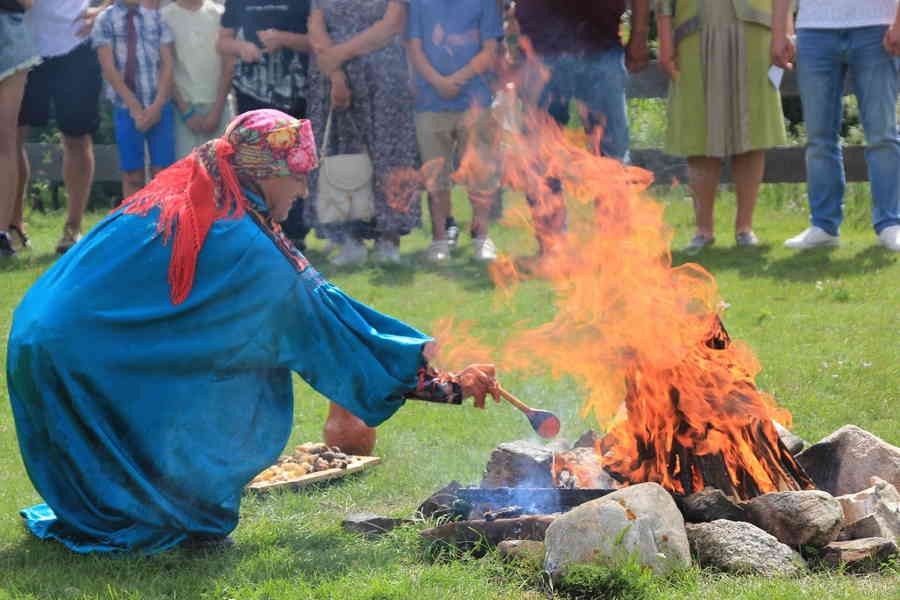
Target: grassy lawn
{"type": "Point", "coordinates": [825, 326]}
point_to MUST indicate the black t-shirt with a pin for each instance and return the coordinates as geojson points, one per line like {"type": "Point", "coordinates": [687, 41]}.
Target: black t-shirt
{"type": "Point", "coordinates": [570, 26]}
{"type": "Point", "coordinates": [280, 78]}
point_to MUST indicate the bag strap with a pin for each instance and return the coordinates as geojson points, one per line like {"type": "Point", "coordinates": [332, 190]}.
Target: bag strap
{"type": "Point", "coordinates": [323, 151]}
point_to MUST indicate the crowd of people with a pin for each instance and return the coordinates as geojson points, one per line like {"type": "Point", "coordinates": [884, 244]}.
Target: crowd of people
{"type": "Point", "coordinates": [396, 84]}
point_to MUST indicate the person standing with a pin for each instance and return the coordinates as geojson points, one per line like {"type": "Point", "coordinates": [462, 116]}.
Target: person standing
{"type": "Point", "coordinates": [202, 75]}
{"type": "Point", "coordinates": [362, 74]}
{"type": "Point", "coordinates": [580, 43]}
{"type": "Point", "coordinates": [67, 85]}
{"type": "Point", "coordinates": [721, 102]}
{"type": "Point", "coordinates": [17, 56]}
{"type": "Point", "coordinates": [451, 47]}
{"type": "Point", "coordinates": [834, 37]}
{"type": "Point", "coordinates": [134, 47]}
{"type": "Point", "coordinates": [269, 41]}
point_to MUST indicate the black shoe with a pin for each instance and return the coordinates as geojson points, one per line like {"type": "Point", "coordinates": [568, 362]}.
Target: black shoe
{"type": "Point", "coordinates": [6, 249]}
{"type": "Point", "coordinates": [207, 541]}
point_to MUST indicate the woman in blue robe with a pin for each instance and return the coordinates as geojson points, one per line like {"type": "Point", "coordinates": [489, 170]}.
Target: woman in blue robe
{"type": "Point", "coordinates": [149, 368]}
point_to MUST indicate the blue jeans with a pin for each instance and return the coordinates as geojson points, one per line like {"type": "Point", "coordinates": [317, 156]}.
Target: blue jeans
{"type": "Point", "coordinates": [599, 81]}
{"type": "Point", "coordinates": [823, 58]}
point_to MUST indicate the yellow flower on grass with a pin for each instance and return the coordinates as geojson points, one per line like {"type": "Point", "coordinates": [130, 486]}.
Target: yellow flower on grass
{"type": "Point", "coordinates": [282, 139]}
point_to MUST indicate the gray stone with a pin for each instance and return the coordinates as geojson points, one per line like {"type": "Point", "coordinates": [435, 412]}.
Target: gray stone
{"type": "Point", "coordinates": [371, 525]}
{"type": "Point", "coordinates": [793, 442]}
{"type": "Point", "coordinates": [439, 504]}
{"type": "Point", "coordinates": [519, 464]}
{"type": "Point", "coordinates": [806, 518]}
{"type": "Point", "coordinates": [640, 521]}
{"type": "Point", "coordinates": [526, 551]}
{"type": "Point", "coordinates": [862, 554]}
{"type": "Point", "coordinates": [845, 461]}
{"type": "Point", "coordinates": [708, 505]}
{"type": "Point", "coordinates": [742, 548]}
{"type": "Point", "coordinates": [873, 512]}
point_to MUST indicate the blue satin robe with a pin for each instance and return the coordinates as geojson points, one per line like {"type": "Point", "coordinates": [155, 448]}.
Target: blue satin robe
{"type": "Point", "coordinates": [139, 421]}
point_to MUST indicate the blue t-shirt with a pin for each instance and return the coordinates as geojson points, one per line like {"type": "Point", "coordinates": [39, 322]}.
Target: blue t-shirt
{"type": "Point", "coordinates": [452, 33]}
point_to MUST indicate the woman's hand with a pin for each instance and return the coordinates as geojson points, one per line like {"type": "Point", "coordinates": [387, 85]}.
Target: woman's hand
{"type": "Point", "coordinates": [478, 381]}
{"type": "Point", "coordinates": [669, 65]}
{"type": "Point", "coordinates": [783, 50]}
{"type": "Point", "coordinates": [341, 96]}
{"type": "Point", "coordinates": [329, 60]}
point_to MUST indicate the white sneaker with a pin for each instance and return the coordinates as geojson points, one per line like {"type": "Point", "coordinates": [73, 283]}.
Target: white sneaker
{"type": "Point", "coordinates": [438, 252]}
{"type": "Point", "coordinates": [890, 238]}
{"type": "Point", "coordinates": [813, 237]}
{"type": "Point", "coordinates": [352, 252]}
{"type": "Point", "coordinates": [387, 251]}
{"type": "Point", "coordinates": [484, 249]}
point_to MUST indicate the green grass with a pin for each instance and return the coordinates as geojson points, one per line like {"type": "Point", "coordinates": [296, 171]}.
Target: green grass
{"type": "Point", "coordinates": [825, 326]}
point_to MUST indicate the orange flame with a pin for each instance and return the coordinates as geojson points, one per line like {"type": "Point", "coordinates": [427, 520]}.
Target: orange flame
{"type": "Point", "coordinates": [633, 329]}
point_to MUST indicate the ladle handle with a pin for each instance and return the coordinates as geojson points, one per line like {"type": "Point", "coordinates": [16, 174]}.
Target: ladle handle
{"type": "Point", "coordinates": [514, 401]}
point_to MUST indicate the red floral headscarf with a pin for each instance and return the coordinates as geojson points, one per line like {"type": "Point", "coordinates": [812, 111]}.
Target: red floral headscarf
{"type": "Point", "coordinates": [204, 187]}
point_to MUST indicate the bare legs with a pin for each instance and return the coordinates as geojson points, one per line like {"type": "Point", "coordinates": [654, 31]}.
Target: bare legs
{"type": "Point", "coordinates": [705, 174]}
{"type": "Point", "coordinates": [11, 90]}
{"type": "Point", "coordinates": [748, 171]}
{"type": "Point", "coordinates": [78, 174]}
{"type": "Point", "coordinates": [439, 206]}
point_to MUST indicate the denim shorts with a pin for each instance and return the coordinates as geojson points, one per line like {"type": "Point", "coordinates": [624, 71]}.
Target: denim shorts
{"type": "Point", "coordinates": [17, 52]}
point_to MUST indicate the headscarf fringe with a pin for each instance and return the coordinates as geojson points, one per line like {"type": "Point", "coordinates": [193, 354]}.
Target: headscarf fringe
{"type": "Point", "coordinates": [190, 199]}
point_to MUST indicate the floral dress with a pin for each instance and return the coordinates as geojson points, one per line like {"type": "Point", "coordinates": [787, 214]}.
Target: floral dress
{"type": "Point", "coordinates": [380, 119]}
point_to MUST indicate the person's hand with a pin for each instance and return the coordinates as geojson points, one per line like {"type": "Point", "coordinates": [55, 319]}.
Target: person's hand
{"type": "Point", "coordinates": [669, 64]}
{"type": "Point", "coordinates": [458, 79]}
{"type": "Point", "coordinates": [341, 96]}
{"type": "Point", "coordinates": [329, 60]}
{"type": "Point", "coordinates": [211, 121]}
{"type": "Point", "coordinates": [150, 118]}
{"type": "Point", "coordinates": [136, 112]}
{"type": "Point", "coordinates": [478, 381]}
{"type": "Point", "coordinates": [783, 49]}
{"type": "Point", "coordinates": [637, 54]}
{"type": "Point", "coordinates": [447, 88]}
{"type": "Point", "coordinates": [25, 4]}
{"type": "Point", "coordinates": [250, 52]}
{"type": "Point", "coordinates": [271, 39]}
{"type": "Point", "coordinates": [891, 40]}
{"type": "Point", "coordinates": [87, 19]}
{"type": "Point", "coordinates": [195, 123]}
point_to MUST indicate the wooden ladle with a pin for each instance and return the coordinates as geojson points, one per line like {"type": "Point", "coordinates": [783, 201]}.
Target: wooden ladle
{"type": "Point", "coordinates": [544, 423]}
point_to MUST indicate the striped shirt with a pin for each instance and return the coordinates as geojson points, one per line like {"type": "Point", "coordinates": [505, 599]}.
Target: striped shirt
{"type": "Point", "coordinates": [111, 29]}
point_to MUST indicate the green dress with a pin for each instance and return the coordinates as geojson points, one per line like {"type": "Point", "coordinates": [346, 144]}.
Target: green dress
{"type": "Point", "coordinates": [723, 102]}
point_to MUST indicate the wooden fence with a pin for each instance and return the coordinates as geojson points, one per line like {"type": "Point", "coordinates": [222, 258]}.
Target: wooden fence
{"type": "Point", "coordinates": [783, 165]}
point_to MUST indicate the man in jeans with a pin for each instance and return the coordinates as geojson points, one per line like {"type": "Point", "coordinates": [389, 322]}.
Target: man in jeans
{"type": "Point", "coordinates": [834, 36]}
{"type": "Point", "coordinates": [68, 81]}
{"type": "Point", "coordinates": [580, 43]}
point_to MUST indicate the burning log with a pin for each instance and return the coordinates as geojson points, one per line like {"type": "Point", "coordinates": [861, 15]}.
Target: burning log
{"type": "Point", "coordinates": [702, 423]}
